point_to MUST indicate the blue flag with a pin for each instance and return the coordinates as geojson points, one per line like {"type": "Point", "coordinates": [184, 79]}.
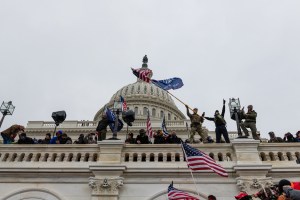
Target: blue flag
{"type": "Point", "coordinates": [167, 84]}
{"type": "Point", "coordinates": [111, 120]}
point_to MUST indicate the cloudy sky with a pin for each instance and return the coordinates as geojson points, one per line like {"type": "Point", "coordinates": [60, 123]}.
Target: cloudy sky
{"type": "Point", "coordinates": [74, 55]}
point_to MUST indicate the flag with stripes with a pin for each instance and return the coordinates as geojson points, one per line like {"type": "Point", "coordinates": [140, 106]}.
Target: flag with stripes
{"type": "Point", "coordinates": [149, 127]}
{"type": "Point", "coordinates": [175, 194]}
{"type": "Point", "coordinates": [164, 127]}
{"type": "Point", "coordinates": [143, 74]}
{"type": "Point", "coordinates": [124, 104]}
{"type": "Point", "coordinates": [198, 160]}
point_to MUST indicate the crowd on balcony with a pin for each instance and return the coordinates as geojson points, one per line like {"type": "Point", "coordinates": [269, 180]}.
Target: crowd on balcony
{"type": "Point", "coordinates": [288, 137]}
{"type": "Point", "coordinates": [10, 136]}
{"type": "Point", "coordinates": [159, 138]}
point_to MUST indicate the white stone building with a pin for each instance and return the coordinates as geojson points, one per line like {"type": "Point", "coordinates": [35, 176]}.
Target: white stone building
{"type": "Point", "coordinates": [113, 170]}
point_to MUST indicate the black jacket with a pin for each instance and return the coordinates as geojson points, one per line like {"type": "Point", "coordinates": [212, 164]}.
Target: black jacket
{"type": "Point", "coordinates": [218, 119]}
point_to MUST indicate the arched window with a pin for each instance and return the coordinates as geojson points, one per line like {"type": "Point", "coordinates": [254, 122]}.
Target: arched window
{"type": "Point", "coordinates": [169, 116]}
{"type": "Point", "coordinates": [136, 110]}
{"type": "Point", "coordinates": [139, 89]}
{"type": "Point", "coordinates": [145, 89]}
{"type": "Point", "coordinates": [145, 111]}
{"type": "Point", "coordinates": [161, 114]}
{"type": "Point", "coordinates": [151, 90]}
{"type": "Point", "coordinates": [153, 112]}
{"type": "Point", "coordinates": [132, 89]}
{"type": "Point", "coordinates": [126, 90]}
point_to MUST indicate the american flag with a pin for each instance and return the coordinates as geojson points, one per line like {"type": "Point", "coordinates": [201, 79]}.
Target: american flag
{"type": "Point", "coordinates": [164, 127]}
{"type": "Point", "coordinates": [175, 194]}
{"type": "Point", "coordinates": [124, 104]}
{"type": "Point", "coordinates": [143, 74]}
{"type": "Point", "coordinates": [198, 160]}
{"type": "Point", "coordinates": [149, 127]}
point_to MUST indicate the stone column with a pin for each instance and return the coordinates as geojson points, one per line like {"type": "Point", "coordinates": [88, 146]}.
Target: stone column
{"type": "Point", "coordinates": [107, 179]}
{"type": "Point", "coordinates": [250, 169]}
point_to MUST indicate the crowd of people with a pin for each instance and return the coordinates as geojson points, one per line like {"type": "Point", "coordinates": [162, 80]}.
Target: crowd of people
{"type": "Point", "coordinates": [159, 138]}
{"type": "Point", "coordinates": [288, 137]}
{"type": "Point", "coordinates": [9, 136]}
{"type": "Point", "coordinates": [284, 190]}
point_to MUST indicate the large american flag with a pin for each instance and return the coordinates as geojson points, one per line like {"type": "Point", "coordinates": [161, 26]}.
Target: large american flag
{"type": "Point", "coordinates": [124, 104]}
{"type": "Point", "coordinates": [149, 127]}
{"type": "Point", "coordinates": [198, 160]}
{"type": "Point", "coordinates": [143, 74]}
{"type": "Point", "coordinates": [175, 194]}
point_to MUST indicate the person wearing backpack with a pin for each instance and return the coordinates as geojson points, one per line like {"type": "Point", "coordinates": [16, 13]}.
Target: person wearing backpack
{"type": "Point", "coordinates": [220, 124]}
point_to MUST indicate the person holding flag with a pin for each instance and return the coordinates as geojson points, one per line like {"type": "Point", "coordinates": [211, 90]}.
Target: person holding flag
{"type": "Point", "coordinates": [102, 127]}
{"type": "Point", "coordinates": [196, 124]}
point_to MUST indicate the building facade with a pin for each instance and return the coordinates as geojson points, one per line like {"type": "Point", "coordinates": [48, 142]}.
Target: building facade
{"type": "Point", "coordinates": [112, 170]}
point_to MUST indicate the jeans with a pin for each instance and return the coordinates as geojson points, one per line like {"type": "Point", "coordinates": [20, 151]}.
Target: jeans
{"type": "Point", "coordinates": [221, 130]}
{"type": "Point", "coordinates": [6, 140]}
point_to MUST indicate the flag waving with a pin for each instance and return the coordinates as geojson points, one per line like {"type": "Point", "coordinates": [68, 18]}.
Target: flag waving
{"type": "Point", "coordinates": [143, 74]}
{"type": "Point", "coordinates": [149, 127]}
{"type": "Point", "coordinates": [111, 120]}
{"type": "Point", "coordinates": [167, 84]}
{"type": "Point", "coordinates": [164, 127]}
{"type": "Point", "coordinates": [124, 104]}
{"type": "Point", "coordinates": [175, 194]}
{"type": "Point", "coordinates": [198, 160]}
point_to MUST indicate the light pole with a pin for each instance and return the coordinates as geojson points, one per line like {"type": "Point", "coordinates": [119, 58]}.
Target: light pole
{"type": "Point", "coordinates": [234, 107]}
{"type": "Point", "coordinates": [6, 109]}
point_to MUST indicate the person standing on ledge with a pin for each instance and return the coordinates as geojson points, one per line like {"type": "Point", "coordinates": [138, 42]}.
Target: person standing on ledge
{"type": "Point", "coordinates": [220, 124]}
{"type": "Point", "coordinates": [196, 124]}
{"type": "Point", "coordinates": [250, 122]}
{"type": "Point", "coordinates": [102, 128]}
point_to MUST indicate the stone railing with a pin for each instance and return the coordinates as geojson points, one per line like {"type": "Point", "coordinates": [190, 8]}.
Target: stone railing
{"type": "Point", "coordinates": [131, 153]}
{"type": "Point", "coordinates": [48, 153]}
{"type": "Point", "coordinates": [272, 152]}
{"type": "Point", "coordinates": [174, 153]}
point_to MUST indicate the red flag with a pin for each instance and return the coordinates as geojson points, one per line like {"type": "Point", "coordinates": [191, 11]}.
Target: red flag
{"type": "Point", "coordinates": [198, 160]}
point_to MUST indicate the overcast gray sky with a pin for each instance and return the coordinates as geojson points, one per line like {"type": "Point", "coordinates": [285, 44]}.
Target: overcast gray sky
{"type": "Point", "coordinates": [74, 55]}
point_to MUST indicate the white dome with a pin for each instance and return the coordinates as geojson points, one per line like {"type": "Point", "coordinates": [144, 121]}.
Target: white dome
{"type": "Point", "coordinates": [142, 96]}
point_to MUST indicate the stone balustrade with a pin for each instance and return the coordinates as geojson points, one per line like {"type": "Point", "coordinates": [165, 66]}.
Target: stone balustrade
{"type": "Point", "coordinates": [275, 152]}
{"type": "Point", "coordinates": [48, 153]}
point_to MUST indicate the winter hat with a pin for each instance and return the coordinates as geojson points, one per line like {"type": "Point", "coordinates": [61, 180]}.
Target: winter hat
{"type": "Point", "coordinates": [282, 183]}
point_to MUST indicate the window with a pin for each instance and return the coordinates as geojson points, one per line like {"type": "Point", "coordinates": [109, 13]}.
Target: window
{"type": "Point", "coordinates": [169, 116]}
{"type": "Point", "coordinates": [145, 111]}
{"type": "Point", "coordinates": [136, 110]}
{"type": "Point", "coordinates": [161, 114]}
{"type": "Point", "coordinates": [153, 112]}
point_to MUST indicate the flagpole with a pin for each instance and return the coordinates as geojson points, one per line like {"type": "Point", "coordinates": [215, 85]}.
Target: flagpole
{"type": "Point", "coordinates": [191, 171]}
{"type": "Point", "coordinates": [173, 96]}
